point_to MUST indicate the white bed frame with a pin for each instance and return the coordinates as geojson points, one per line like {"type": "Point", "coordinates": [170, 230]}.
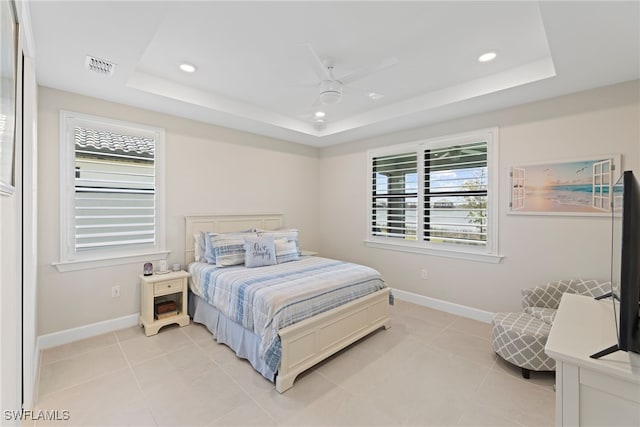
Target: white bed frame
{"type": "Point", "coordinates": [306, 343]}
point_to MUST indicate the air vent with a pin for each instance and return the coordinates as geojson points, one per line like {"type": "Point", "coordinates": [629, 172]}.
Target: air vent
{"type": "Point", "coordinates": [99, 66]}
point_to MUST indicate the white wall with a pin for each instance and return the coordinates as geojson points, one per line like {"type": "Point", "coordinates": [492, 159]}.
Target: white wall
{"type": "Point", "coordinates": [208, 169]}
{"type": "Point", "coordinates": [536, 249]}
{"type": "Point", "coordinates": [9, 299]}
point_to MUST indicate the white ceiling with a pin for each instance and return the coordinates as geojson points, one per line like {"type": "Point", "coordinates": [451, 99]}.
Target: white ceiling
{"type": "Point", "coordinates": [255, 72]}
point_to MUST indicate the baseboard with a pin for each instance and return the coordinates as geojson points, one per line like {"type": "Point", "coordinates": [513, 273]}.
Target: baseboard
{"type": "Point", "coordinates": [449, 307]}
{"type": "Point", "coordinates": [63, 337]}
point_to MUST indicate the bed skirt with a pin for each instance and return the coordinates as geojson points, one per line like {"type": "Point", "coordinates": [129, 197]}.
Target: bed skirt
{"type": "Point", "coordinates": [243, 342]}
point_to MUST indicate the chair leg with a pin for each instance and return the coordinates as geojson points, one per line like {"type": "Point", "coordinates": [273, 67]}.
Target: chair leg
{"type": "Point", "coordinates": [526, 373]}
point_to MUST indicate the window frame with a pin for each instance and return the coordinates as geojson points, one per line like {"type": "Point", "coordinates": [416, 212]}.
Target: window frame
{"type": "Point", "coordinates": [70, 259]}
{"type": "Point", "coordinates": [486, 253]}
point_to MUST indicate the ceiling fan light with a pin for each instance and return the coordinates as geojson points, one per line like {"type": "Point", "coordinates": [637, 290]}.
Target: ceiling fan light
{"type": "Point", "coordinates": [330, 97]}
{"type": "Point", "coordinates": [330, 92]}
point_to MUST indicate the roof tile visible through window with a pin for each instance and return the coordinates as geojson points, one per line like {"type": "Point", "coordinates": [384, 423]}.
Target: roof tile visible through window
{"type": "Point", "coordinates": [102, 140]}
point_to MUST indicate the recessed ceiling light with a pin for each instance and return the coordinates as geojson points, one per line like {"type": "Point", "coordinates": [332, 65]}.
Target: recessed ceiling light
{"type": "Point", "coordinates": [375, 96]}
{"type": "Point", "coordinates": [320, 114]}
{"type": "Point", "coordinates": [486, 57]}
{"type": "Point", "coordinates": [187, 68]}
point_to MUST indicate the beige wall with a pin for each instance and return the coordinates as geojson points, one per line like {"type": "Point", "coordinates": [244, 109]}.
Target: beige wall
{"type": "Point", "coordinates": [536, 249]}
{"type": "Point", "coordinates": [208, 169]}
{"type": "Point", "coordinates": [323, 192]}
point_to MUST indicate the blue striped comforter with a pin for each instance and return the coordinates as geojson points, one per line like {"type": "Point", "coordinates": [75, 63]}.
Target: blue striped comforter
{"type": "Point", "coordinates": [267, 299]}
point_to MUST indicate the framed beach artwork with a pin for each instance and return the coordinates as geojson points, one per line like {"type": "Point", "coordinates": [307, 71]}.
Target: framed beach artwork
{"type": "Point", "coordinates": [574, 187]}
{"type": "Point", "coordinates": [8, 67]}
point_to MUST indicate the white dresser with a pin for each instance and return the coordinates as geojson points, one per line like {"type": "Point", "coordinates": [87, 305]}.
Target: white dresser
{"type": "Point", "coordinates": [590, 392]}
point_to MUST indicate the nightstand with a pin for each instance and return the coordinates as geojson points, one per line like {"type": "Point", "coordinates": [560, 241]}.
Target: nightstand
{"type": "Point", "coordinates": [163, 300]}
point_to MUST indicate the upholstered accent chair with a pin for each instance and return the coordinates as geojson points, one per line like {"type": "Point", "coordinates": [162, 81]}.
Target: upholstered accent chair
{"type": "Point", "coordinates": [520, 337]}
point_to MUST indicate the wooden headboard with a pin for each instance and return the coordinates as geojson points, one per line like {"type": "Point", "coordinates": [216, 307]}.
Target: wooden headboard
{"type": "Point", "coordinates": [225, 223]}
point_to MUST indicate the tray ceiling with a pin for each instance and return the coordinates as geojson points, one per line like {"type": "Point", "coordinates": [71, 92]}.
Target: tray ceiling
{"type": "Point", "coordinates": [412, 63]}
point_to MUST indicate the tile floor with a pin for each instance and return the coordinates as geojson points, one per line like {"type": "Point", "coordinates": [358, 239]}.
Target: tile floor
{"type": "Point", "coordinates": [430, 368]}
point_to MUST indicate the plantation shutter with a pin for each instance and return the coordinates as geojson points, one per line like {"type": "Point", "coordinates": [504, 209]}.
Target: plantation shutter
{"type": "Point", "coordinates": [395, 196]}
{"type": "Point", "coordinates": [455, 194]}
{"type": "Point", "coordinates": [115, 187]}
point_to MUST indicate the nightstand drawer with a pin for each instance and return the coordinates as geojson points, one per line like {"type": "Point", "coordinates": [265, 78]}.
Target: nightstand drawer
{"type": "Point", "coordinates": [167, 287]}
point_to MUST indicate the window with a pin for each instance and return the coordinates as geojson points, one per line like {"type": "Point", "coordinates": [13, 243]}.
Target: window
{"type": "Point", "coordinates": [436, 196]}
{"type": "Point", "coordinates": [111, 207]}
{"type": "Point", "coordinates": [395, 196]}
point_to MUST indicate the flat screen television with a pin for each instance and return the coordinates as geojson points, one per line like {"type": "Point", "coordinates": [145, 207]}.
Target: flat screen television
{"type": "Point", "coordinates": [625, 264]}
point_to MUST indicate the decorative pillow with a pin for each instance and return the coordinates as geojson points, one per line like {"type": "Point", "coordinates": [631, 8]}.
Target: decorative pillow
{"type": "Point", "coordinates": [287, 246]}
{"type": "Point", "coordinates": [200, 247]}
{"type": "Point", "coordinates": [209, 253]}
{"type": "Point", "coordinates": [259, 251]}
{"type": "Point", "coordinates": [228, 248]}
{"type": "Point", "coordinates": [286, 250]}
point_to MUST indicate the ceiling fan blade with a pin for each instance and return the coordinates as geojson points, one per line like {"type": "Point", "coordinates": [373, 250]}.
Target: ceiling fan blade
{"type": "Point", "coordinates": [304, 84]}
{"type": "Point", "coordinates": [365, 71]}
{"type": "Point", "coordinates": [318, 66]}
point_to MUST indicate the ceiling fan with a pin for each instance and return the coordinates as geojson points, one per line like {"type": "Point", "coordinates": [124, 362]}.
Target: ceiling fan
{"type": "Point", "coordinates": [332, 87]}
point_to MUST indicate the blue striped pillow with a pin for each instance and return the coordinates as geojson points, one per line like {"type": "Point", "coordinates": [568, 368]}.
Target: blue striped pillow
{"type": "Point", "coordinates": [209, 254]}
{"type": "Point", "coordinates": [228, 248]}
{"type": "Point", "coordinates": [286, 242]}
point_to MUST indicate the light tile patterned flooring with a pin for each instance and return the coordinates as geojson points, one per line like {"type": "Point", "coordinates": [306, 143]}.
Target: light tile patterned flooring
{"type": "Point", "coordinates": [430, 368]}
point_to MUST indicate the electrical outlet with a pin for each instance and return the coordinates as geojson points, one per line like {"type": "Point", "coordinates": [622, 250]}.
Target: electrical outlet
{"type": "Point", "coordinates": [423, 274]}
{"type": "Point", "coordinates": [115, 292]}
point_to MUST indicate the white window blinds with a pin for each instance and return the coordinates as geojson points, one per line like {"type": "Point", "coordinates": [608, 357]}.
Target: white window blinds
{"type": "Point", "coordinates": [395, 196]}
{"type": "Point", "coordinates": [455, 194]}
{"type": "Point", "coordinates": [111, 192]}
{"type": "Point", "coordinates": [114, 190]}
{"type": "Point", "coordinates": [436, 196]}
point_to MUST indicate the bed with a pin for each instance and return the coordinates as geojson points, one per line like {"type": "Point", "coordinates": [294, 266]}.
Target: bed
{"type": "Point", "coordinates": [305, 327]}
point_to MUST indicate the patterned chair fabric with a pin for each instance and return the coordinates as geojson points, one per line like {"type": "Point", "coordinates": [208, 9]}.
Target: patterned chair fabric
{"type": "Point", "coordinates": [547, 315]}
{"type": "Point", "coordinates": [592, 288]}
{"type": "Point", "coordinates": [519, 338]}
{"type": "Point", "coordinates": [549, 295]}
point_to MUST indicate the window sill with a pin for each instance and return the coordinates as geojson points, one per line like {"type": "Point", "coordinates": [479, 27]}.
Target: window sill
{"type": "Point", "coordinates": [448, 253]}
{"type": "Point", "coordinates": [86, 264]}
